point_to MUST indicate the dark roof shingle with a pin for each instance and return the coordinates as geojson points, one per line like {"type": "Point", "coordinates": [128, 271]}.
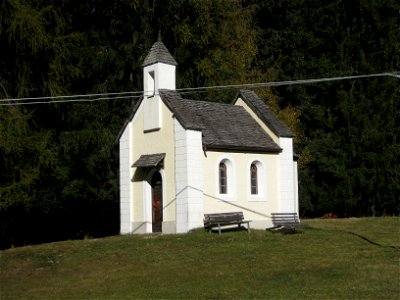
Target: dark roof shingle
{"type": "Point", "coordinates": [159, 53]}
{"type": "Point", "coordinates": [149, 160]}
{"type": "Point", "coordinates": [265, 113]}
{"type": "Point", "coordinates": [224, 126]}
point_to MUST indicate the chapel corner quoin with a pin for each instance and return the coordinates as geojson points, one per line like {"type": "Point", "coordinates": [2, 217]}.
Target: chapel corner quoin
{"type": "Point", "coordinates": [181, 159]}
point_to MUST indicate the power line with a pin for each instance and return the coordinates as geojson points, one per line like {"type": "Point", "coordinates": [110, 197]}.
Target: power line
{"type": "Point", "coordinates": [72, 96]}
{"type": "Point", "coordinates": [294, 82]}
{"type": "Point", "coordinates": [67, 101]}
{"type": "Point", "coordinates": [125, 95]}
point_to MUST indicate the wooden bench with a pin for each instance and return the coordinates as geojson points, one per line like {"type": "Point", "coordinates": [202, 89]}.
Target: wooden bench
{"type": "Point", "coordinates": [224, 219]}
{"type": "Point", "coordinates": [286, 221]}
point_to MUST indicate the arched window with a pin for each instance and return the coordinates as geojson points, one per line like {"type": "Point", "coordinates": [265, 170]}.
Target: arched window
{"type": "Point", "coordinates": [223, 178]}
{"type": "Point", "coordinates": [254, 179]}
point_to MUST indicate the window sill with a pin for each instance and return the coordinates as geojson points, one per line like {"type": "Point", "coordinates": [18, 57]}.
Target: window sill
{"type": "Point", "coordinates": [257, 198]}
{"type": "Point", "coordinates": [226, 197]}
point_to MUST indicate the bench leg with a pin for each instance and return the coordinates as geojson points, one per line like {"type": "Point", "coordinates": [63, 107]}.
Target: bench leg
{"type": "Point", "coordinates": [248, 226]}
{"type": "Point", "coordinates": [219, 228]}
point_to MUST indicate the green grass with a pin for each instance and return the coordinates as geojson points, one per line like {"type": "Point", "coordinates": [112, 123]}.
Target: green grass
{"type": "Point", "coordinates": [333, 259]}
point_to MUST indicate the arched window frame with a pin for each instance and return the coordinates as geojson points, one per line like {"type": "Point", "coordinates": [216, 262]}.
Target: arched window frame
{"type": "Point", "coordinates": [228, 193]}
{"type": "Point", "coordinates": [253, 179]}
{"type": "Point", "coordinates": [223, 178]}
{"type": "Point", "coordinates": [260, 194]}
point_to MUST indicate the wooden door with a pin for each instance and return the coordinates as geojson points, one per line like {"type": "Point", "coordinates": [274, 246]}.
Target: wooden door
{"type": "Point", "coordinates": [157, 202]}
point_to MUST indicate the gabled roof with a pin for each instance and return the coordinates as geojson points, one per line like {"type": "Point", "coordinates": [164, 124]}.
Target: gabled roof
{"type": "Point", "coordinates": [159, 54]}
{"type": "Point", "coordinates": [223, 126]}
{"type": "Point", "coordinates": [265, 113]}
{"type": "Point", "coordinates": [149, 160]}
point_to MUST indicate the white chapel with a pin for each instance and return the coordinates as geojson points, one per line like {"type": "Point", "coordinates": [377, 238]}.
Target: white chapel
{"type": "Point", "coordinates": [182, 158]}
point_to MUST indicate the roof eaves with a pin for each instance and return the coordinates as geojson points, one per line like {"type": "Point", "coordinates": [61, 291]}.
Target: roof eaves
{"type": "Point", "coordinates": [272, 121]}
{"type": "Point", "coordinates": [244, 148]}
{"type": "Point", "coordinates": [149, 160]}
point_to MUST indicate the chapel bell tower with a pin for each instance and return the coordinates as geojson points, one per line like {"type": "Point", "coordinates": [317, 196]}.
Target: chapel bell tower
{"type": "Point", "coordinates": [159, 68]}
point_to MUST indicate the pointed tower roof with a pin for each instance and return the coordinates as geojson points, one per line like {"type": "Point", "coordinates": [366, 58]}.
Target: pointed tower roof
{"type": "Point", "coordinates": [159, 54]}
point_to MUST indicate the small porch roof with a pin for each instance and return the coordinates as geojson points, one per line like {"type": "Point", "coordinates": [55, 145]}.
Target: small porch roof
{"type": "Point", "coordinates": [149, 160]}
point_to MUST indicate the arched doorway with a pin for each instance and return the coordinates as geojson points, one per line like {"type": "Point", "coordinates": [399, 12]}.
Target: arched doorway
{"type": "Point", "coordinates": [157, 202]}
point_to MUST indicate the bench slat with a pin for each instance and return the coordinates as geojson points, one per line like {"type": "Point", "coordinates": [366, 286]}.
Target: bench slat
{"type": "Point", "coordinates": [286, 220]}
{"type": "Point", "coordinates": [224, 219]}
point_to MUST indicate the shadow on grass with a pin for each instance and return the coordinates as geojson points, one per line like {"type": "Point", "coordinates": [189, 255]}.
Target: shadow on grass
{"type": "Point", "coordinates": [370, 241]}
{"type": "Point", "coordinates": [227, 229]}
{"type": "Point", "coordinates": [362, 237]}
{"type": "Point", "coordinates": [285, 231]}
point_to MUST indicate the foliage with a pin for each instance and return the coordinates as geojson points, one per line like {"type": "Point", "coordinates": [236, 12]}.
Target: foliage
{"type": "Point", "coordinates": [341, 259]}
{"type": "Point", "coordinates": [349, 132]}
{"type": "Point", "coordinates": [59, 161]}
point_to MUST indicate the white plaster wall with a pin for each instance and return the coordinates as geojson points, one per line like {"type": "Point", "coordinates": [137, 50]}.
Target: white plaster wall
{"type": "Point", "coordinates": [189, 178]}
{"type": "Point", "coordinates": [287, 171]}
{"type": "Point", "coordinates": [164, 78]}
{"type": "Point", "coordinates": [152, 113]}
{"type": "Point", "coordinates": [287, 178]}
{"type": "Point", "coordinates": [155, 77]}
{"type": "Point", "coordinates": [296, 188]}
{"type": "Point", "coordinates": [151, 131]}
{"type": "Point", "coordinates": [255, 208]}
{"type": "Point", "coordinates": [147, 206]}
{"type": "Point", "coordinates": [125, 175]}
{"type": "Point", "coordinates": [160, 141]}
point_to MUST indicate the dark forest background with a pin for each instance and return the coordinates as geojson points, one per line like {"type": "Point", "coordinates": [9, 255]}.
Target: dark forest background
{"type": "Point", "coordinates": [59, 161]}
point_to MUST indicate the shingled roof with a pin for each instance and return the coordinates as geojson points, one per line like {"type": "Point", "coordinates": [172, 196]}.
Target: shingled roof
{"type": "Point", "coordinates": [159, 54]}
{"type": "Point", "coordinates": [265, 113]}
{"type": "Point", "coordinates": [223, 126]}
{"type": "Point", "coordinates": [149, 160]}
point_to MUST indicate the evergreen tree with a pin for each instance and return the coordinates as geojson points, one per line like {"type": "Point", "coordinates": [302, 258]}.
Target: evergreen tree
{"type": "Point", "coordinates": [59, 162]}
{"type": "Point", "coordinates": [348, 125]}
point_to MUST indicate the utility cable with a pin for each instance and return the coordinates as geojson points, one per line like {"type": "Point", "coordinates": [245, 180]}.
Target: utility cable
{"type": "Point", "coordinates": [73, 96]}
{"type": "Point", "coordinates": [125, 95]}
{"type": "Point", "coordinates": [67, 101]}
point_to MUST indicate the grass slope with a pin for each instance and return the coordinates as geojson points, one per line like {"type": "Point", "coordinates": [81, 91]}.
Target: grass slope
{"type": "Point", "coordinates": [335, 259]}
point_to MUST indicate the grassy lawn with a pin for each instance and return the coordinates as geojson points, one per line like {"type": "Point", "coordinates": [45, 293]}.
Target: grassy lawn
{"type": "Point", "coordinates": [333, 259]}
